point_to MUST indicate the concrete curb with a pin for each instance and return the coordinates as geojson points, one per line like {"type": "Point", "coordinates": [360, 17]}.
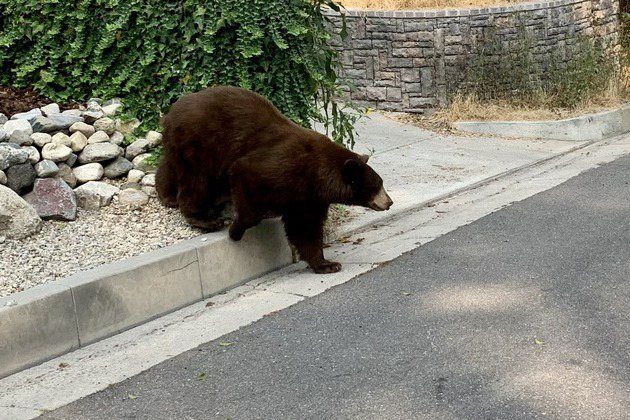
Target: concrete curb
{"type": "Point", "coordinates": [584, 128]}
{"type": "Point", "coordinates": [52, 319]}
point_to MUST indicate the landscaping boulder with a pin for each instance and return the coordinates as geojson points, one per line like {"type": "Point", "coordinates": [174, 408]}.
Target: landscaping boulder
{"type": "Point", "coordinates": [88, 172]}
{"type": "Point", "coordinates": [62, 138]}
{"type": "Point", "coordinates": [17, 218]}
{"type": "Point", "coordinates": [46, 169]}
{"type": "Point", "coordinates": [27, 116]}
{"type": "Point", "coordinates": [41, 139]}
{"type": "Point", "coordinates": [33, 154]}
{"type": "Point", "coordinates": [150, 191]}
{"type": "Point", "coordinates": [98, 137]}
{"type": "Point", "coordinates": [20, 177]}
{"type": "Point", "coordinates": [11, 154]}
{"type": "Point", "coordinates": [98, 152]}
{"type": "Point", "coordinates": [148, 180]}
{"type": "Point", "coordinates": [65, 121]}
{"type": "Point", "coordinates": [53, 199]}
{"type": "Point", "coordinates": [82, 127]}
{"type": "Point", "coordinates": [141, 162]}
{"type": "Point", "coordinates": [21, 137]}
{"type": "Point", "coordinates": [17, 125]}
{"type": "Point", "coordinates": [65, 173]}
{"type": "Point", "coordinates": [78, 141]}
{"type": "Point", "coordinates": [3, 135]}
{"type": "Point", "coordinates": [45, 125]}
{"type": "Point", "coordinates": [133, 198]}
{"type": "Point", "coordinates": [105, 124]}
{"type": "Point", "coordinates": [56, 152]}
{"type": "Point", "coordinates": [50, 109]}
{"type": "Point", "coordinates": [94, 195]}
{"type": "Point", "coordinates": [3, 118]}
{"type": "Point", "coordinates": [138, 147]}
{"type": "Point", "coordinates": [117, 138]}
{"type": "Point", "coordinates": [3, 178]}
{"type": "Point", "coordinates": [135, 176]}
{"type": "Point", "coordinates": [118, 168]}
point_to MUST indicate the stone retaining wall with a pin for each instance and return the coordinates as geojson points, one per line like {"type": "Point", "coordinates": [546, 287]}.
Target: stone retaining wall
{"type": "Point", "coordinates": [412, 61]}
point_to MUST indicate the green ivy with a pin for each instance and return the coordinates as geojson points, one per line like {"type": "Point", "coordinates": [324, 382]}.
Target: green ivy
{"type": "Point", "coordinates": [151, 52]}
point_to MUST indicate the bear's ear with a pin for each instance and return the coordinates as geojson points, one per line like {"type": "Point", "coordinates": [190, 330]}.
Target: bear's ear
{"type": "Point", "coordinates": [352, 170]}
{"type": "Point", "coordinates": [364, 158]}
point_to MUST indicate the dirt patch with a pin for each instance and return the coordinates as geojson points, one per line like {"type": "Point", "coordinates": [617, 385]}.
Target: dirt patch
{"type": "Point", "coordinates": [422, 4]}
{"type": "Point", "coordinates": [14, 100]}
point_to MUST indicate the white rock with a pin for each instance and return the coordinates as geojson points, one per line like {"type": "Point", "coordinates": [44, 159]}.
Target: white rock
{"type": "Point", "coordinates": [148, 180]}
{"type": "Point", "coordinates": [111, 110]}
{"type": "Point", "coordinates": [89, 172]}
{"type": "Point", "coordinates": [22, 125]}
{"type": "Point", "coordinates": [40, 139]}
{"type": "Point", "coordinates": [140, 163]}
{"type": "Point", "coordinates": [56, 152]}
{"type": "Point", "coordinates": [136, 148]}
{"type": "Point", "coordinates": [117, 138]}
{"type": "Point", "coordinates": [51, 109]}
{"type": "Point", "coordinates": [82, 127]}
{"type": "Point", "coordinates": [78, 141]}
{"type": "Point", "coordinates": [150, 191]}
{"type": "Point", "coordinates": [61, 138]}
{"type": "Point", "coordinates": [33, 154]}
{"type": "Point", "coordinates": [11, 154]}
{"type": "Point", "coordinates": [105, 124]}
{"type": "Point", "coordinates": [73, 112]}
{"type": "Point", "coordinates": [91, 116]}
{"type": "Point", "coordinates": [18, 219]}
{"type": "Point", "coordinates": [3, 178]}
{"type": "Point", "coordinates": [133, 198]}
{"type": "Point", "coordinates": [135, 176]}
{"type": "Point", "coordinates": [154, 138]}
{"type": "Point", "coordinates": [94, 195]}
{"type": "Point", "coordinates": [98, 137]}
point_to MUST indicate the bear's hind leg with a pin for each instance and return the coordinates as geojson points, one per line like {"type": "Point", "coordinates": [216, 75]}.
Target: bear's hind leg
{"type": "Point", "coordinates": [246, 215]}
{"type": "Point", "coordinates": [305, 230]}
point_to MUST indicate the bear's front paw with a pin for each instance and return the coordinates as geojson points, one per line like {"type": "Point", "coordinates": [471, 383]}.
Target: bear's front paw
{"type": "Point", "coordinates": [327, 267]}
{"type": "Point", "coordinates": [236, 232]}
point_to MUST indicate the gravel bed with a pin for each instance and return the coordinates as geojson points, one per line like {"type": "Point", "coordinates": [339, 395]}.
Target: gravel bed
{"type": "Point", "coordinates": [95, 238]}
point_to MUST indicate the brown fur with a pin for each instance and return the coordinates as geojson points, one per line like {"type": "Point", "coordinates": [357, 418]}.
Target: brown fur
{"type": "Point", "coordinates": [227, 142]}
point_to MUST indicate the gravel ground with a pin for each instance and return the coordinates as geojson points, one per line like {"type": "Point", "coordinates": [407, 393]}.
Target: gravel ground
{"type": "Point", "coordinates": [95, 238]}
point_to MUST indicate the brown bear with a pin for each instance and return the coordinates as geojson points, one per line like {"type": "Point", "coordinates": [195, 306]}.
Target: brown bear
{"type": "Point", "coordinates": [230, 143]}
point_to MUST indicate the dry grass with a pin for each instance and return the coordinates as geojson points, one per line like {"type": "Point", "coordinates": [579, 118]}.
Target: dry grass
{"type": "Point", "coordinates": [421, 4]}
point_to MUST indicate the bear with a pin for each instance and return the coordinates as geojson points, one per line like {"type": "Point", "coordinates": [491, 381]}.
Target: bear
{"type": "Point", "coordinates": [228, 144]}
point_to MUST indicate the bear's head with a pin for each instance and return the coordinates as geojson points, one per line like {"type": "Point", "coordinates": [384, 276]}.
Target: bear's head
{"type": "Point", "coordinates": [366, 185]}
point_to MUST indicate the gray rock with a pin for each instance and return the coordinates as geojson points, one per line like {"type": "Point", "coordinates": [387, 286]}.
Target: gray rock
{"type": "Point", "coordinates": [28, 116]}
{"type": "Point", "coordinates": [33, 154]}
{"type": "Point", "coordinates": [91, 116]}
{"type": "Point", "coordinates": [11, 154]}
{"type": "Point", "coordinates": [73, 112]}
{"type": "Point", "coordinates": [94, 195]}
{"type": "Point", "coordinates": [45, 125]}
{"type": "Point", "coordinates": [53, 199]}
{"type": "Point", "coordinates": [72, 160]}
{"type": "Point", "coordinates": [51, 109]}
{"type": "Point", "coordinates": [3, 135]}
{"type": "Point", "coordinates": [88, 172]}
{"type": "Point", "coordinates": [148, 180]}
{"type": "Point", "coordinates": [133, 198]}
{"type": "Point", "coordinates": [65, 174]}
{"type": "Point", "coordinates": [78, 141]}
{"type": "Point", "coordinates": [65, 121]}
{"type": "Point", "coordinates": [17, 125]}
{"type": "Point", "coordinates": [82, 127]}
{"type": "Point", "coordinates": [113, 101]}
{"type": "Point", "coordinates": [3, 118]}
{"type": "Point", "coordinates": [105, 124]}
{"type": "Point", "coordinates": [18, 219]}
{"type": "Point", "coordinates": [20, 177]}
{"type": "Point", "coordinates": [98, 152]}
{"type": "Point", "coordinates": [98, 137]}
{"type": "Point", "coordinates": [118, 168]}
{"type": "Point", "coordinates": [141, 163]}
{"type": "Point", "coordinates": [46, 169]}
{"type": "Point", "coordinates": [138, 147]}
{"type": "Point", "coordinates": [94, 104]}
{"type": "Point", "coordinates": [150, 191]}
{"type": "Point", "coordinates": [3, 178]}
{"type": "Point", "coordinates": [117, 138]}
{"type": "Point", "coordinates": [62, 138]}
{"type": "Point", "coordinates": [56, 152]}
{"type": "Point", "coordinates": [41, 139]}
{"type": "Point", "coordinates": [154, 138]}
{"type": "Point", "coordinates": [111, 110]}
{"type": "Point", "coordinates": [21, 137]}
{"type": "Point", "coordinates": [135, 176]}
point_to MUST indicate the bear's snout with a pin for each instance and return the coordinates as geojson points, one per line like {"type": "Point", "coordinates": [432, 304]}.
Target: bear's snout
{"type": "Point", "coordinates": [381, 201]}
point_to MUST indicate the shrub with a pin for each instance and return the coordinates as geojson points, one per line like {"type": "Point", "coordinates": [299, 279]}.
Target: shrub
{"type": "Point", "coordinates": [152, 52]}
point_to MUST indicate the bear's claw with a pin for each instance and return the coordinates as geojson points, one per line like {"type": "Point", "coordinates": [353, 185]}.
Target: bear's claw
{"type": "Point", "coordinates": [327, 267]}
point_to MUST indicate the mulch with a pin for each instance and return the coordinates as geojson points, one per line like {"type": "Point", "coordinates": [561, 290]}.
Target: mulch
{"type": "Point", "coordinates": [14, 100]}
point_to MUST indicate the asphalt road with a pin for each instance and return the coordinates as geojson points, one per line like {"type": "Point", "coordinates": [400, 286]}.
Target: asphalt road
{"type": "Point", "coordinates": [524, 313]}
